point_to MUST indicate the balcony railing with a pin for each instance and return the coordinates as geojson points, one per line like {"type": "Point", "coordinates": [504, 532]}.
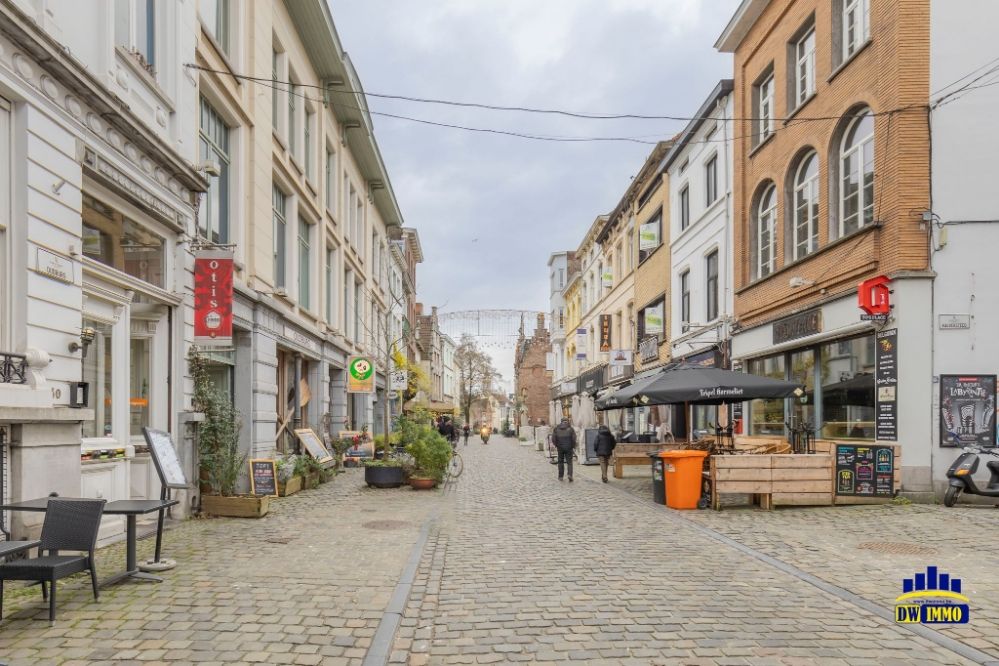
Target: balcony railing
{"type": "Point", "coordinates": [13, 368]}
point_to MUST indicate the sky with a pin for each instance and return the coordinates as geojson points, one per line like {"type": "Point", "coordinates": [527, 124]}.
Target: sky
{"type": "Point", "coordinates": [490, 209]}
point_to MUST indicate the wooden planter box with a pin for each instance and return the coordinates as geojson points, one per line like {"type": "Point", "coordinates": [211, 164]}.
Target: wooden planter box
{"type": "Point", "coordinates": [774, 479]}
{"type": "Point", "coordinates": [292, 486]}
{"type": "Point", "coordinates": [311, 481]}
{"type": "Point", "coordinates": [245, 506]}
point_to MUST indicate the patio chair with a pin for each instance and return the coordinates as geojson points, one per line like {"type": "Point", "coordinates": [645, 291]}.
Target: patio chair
{"type": "Point", "coordinates": [69, 525]}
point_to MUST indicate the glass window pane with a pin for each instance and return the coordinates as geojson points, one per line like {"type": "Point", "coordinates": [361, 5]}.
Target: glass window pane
{"type": "Point", "coordinates": [803, 371]}
{"type": "Point", "coordinates": [97, 373]}
{"type": "Point", "coordinates": [847, 376]}
{"type": "Point", "coordinates": [138, 397]}
{"type": "Point", "coordinates": [121, 243]}
{"type": "Point", "coordinates": [767, 416]}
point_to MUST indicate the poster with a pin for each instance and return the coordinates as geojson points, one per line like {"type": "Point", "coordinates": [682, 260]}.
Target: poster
{"type": "Point", "coordinates": [654, 319]}
{"type": "Point", "coordinates": [968, 410]}
{"type": "Point", "coordinates": [648, 235]}
{"type": "Point", "coordinates": [313, 445]}
{"type": "Point", "coordinates": [360, 375]}
{"type": "Point", "coordinates": [886, 385]}
{"type": "Point", "coordinates": [865, 470]}
{"type": "Point", "coordinates": [605, 333]}
{"type": "Point", "coordinates": [213, 298]}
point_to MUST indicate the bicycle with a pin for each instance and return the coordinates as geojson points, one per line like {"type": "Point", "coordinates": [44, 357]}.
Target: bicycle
{"type": "Point", "coordinates": [457, 465]}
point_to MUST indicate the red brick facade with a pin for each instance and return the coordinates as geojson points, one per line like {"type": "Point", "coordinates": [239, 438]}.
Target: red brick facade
{"type": "Point", "coordinates": [532, 379]}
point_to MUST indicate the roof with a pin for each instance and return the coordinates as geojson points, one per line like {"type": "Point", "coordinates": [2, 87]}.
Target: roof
{"type": "Point", "coordinates": [314, 25]}
{"type": "Point", "coordinates": [723, 88]}
{"type": "Point", "coordinates": [740, 23]}
{"type": "Point", "coordinates": [654, 157]}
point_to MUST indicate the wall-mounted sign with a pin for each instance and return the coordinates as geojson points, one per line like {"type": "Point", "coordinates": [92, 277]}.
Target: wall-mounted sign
{"type": "Point", "coordinates": [399, 380]}
{"type": "Point", "coordinates": [648, 235]}
{"type": "Point", "coordinates": [619, 357]}
{"type": "Point", "coordinates": [886, 385]}
{"type": "Point", "coordinates": [952, 322]}
{"type": "Point", "coordinates": [580, 356]}
{"type": "Point", "coordinates": [213, 298]}
{"type": "Point", "coordinates": [360, 375]}
{"type": "Point", "coordinates": [52, 265]}
{"type": "Point", "coordinates": [874, 296]}
{"type": "Point", "coordinates": [648, 349]}
{"type": "Point", "coordinates": [968, 410]}
{"type": "Point", "coordinates": [605, 333]}
{"type": "Point", "coordinates": [797, 326]}
{"type": "Point", "coordinates": [581, 337]}
{"type": "Point", "coordinates": [608, 280]}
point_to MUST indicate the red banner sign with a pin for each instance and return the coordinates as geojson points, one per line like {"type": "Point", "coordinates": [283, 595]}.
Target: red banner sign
{"type": "Point", "coordinates": [213, 298]}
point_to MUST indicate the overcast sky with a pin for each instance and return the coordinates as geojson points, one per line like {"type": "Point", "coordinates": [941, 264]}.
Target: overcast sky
{"type": "Point", "coordinates": [490, 209]}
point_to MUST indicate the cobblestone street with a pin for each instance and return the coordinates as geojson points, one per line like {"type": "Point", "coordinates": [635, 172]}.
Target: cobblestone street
{"type": "Point", "coordinates": [515, 566]}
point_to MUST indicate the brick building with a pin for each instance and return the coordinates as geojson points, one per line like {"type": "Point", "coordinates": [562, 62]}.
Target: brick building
{"type": "Point", "coordinates": [531, 376]}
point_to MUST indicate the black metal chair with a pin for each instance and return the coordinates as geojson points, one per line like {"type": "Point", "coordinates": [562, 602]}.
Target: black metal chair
{"type": "Point", "coordinates": [69, 525]}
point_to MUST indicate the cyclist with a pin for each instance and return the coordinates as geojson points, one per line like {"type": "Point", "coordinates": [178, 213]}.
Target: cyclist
{"type": "Point", "coordinates": [464, 431]}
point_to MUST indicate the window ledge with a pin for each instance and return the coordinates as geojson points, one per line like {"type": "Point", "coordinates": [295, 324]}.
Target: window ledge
{"type": "Point", "coordinates": [843, 65]}
{"type": "Point", "coordinates": [649, 255]}
{"type": "Point", "coordinates": [798, 108]}
{"type": "Point", "coordinates": [278, 138]}
{"type": "Point", "coordinates": [219, 51]}
{"type": "Point", "coordinates": [145, 77]}
{"type": "Point", "coordinates": [758, 147]}
{"type": "Point", "coordinates": [294, 163]}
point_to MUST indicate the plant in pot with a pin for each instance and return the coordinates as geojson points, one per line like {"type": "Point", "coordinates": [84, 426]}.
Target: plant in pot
{"type": "Point", "coordinates": [313, 469]}
{"type": "Point", "coordinates": [289, 482]}
{"type": "Point", "coordinates": [221, 463]}
{"type": "Point", "coordinates": [431, 454]}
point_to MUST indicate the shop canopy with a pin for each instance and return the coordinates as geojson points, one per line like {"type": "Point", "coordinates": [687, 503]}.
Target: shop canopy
{"type": "Point", "coordinates": [697, 384]}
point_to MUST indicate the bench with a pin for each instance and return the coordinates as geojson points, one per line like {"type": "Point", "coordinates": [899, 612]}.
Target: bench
{"type": "Point", "coordinates": [632, 454]}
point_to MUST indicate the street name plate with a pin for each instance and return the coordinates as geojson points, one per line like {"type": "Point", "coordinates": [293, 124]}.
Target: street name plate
{"type": "Point", "coordinates": [954, 321]}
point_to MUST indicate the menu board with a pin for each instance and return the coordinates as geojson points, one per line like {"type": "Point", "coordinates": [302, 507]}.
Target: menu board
{"type": "Point", "coordinates": [310, 440]}
{"type": "Point", "coordinates": [865, 470]}
{"type": "Point", "coordinates": [263, 477]}
{"type": "Point", "coordinates": [165, 458]}
{"type": "Point", "coordinates": [886, 385]}
{"type": "Point", "coordinates": [968, 410]}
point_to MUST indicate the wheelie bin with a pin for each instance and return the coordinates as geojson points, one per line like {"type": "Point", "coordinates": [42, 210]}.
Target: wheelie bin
{"type": "Point", "coordinates": [682, 471]}
{"type": "Point", "coordinates": [658, 480]}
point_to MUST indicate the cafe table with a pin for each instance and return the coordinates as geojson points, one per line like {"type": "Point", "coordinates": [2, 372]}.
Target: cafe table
{"type": "Point", "coordinates": [131, 509]}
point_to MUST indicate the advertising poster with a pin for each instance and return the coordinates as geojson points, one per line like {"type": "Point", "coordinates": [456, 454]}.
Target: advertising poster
{"type": "Point", "coordinates": [865, 470]}
{"type": "Point", "coordinates": [213, 298]}
{"type": "Point", "coordinates": [654, 320]}
{"type": "Point", "coordinates": [648, 236]}
{"type": "Point", "coordinates": [886, 385]}
{"type": "Point", "coordinates": [968, 410]}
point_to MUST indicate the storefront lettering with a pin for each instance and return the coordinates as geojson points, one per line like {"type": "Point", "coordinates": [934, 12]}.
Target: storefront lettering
{"type": "Point", "coordinates": [797, 326]}
{"type": "Point", "coordinates": [213, 297]}
{"type": "Point", "coordinates": [116, 177]}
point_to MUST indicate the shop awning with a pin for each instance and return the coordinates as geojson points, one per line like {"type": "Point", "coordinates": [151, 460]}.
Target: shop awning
{"type": "Point", "coordinates": [696, 384]}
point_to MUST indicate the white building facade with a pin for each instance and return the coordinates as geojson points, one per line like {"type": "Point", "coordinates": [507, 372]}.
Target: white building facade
{"type": "Point", "coordinates": [558, 278]}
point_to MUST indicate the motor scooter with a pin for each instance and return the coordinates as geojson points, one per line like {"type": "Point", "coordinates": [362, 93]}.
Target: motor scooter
{"type": "Point", "coordinates": [962, 470]}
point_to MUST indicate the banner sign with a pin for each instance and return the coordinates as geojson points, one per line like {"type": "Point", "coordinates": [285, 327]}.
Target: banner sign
{"type": "Point", "coordinates": [213, 298]}
{"type": "Point", "coordinates": [648, 235]}
{"type": "Point", "coordinates": [621, 357]}
{"type": "Point", "coordinates": [886, 385]}
{"type": "Point", "coordinates": [968, 410]}
{"type": "Point", "coordinates": [398, 380]}
{"type": "Point", "coordinates": [608, 280]}
{"type": "Point", "coordinates": [360, 375]}
{"type": "Point", "coordinates": [580, 336]}
{"type": "Point", "coordinates": [605, 333]}
{"type": "Point", "coordinates": [654, 319]}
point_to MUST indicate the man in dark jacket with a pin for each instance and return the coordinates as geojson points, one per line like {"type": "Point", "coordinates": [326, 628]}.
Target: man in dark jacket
{"type": "Point", "coordinates": [565, 442]}
{"type": "Point", "coordinates": [604, 447]}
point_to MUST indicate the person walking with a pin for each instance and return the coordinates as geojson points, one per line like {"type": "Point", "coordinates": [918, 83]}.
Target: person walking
{"type": "Point", "coordinates": [604, 447]}
{"type": "Point", "coordinates": [565, 442]}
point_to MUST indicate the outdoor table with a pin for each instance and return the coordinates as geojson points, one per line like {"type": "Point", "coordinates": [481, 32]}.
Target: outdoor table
{"type": "Point", "coordinates": [128, 508]}
{"type": "Point", "coordinates": [15, 547]}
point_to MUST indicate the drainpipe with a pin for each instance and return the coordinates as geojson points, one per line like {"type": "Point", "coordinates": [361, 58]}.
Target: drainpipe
{"type": "Point", "coordinates": [297, 391]}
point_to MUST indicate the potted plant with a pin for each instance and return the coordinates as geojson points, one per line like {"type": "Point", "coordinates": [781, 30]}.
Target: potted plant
{"type": "Point", "coordinates": [289, 482]}
{"type": "Point", "coordinates": [431, 454]}
{"type": "Point", "coordinates": [221, 463]}
{"type": "Point", "coordinates": [385, 473]}
{"type": "Point", "coordinates": [313, 468]}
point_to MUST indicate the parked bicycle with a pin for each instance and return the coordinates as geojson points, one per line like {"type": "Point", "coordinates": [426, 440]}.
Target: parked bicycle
{"type": "Point", "coordinates": [456, 466]}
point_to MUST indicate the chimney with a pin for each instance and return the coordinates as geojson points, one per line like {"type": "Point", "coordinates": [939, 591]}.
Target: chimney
{"type": "Point", "coordinates": [541, 323]}
{"type": "Point", "coordinates": [419, 309]}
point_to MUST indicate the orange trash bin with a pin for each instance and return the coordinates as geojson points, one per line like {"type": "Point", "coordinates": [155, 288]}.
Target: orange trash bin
{"type": "Point", "coordinates": [682, 470]}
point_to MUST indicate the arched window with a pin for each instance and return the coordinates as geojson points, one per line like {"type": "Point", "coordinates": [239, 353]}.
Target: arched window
{"type": "Point", "coordinates": [766, 222]}
{"type": "Point", "coordinates": [856, 164]}
{"type": "Point", "coordinates": [805, 229]}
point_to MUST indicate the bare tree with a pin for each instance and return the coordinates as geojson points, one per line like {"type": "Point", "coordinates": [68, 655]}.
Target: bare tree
{"type": "Point", "coordinates": [476, 373]}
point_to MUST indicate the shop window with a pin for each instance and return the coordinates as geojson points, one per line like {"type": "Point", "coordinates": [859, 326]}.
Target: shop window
{"type": "Point", "coordinates": [767, 416]}
{"type": "Point", "coordinates": [848, 400]}
{"type": "Point", "coordinates": [97, 371]}
{"type": "Point", "coordinates": [111, 238]}
{"type": "Point", "coordinates": [213, 216]}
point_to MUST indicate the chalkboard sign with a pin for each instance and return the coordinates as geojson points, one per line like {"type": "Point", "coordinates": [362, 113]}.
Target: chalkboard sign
{"type": "Point", "coordinates": [263, 477]}
{"type": "Point", "coordinates": [590, 440]}
{"type": "Point", "coordinates": [310, 440]}
{"type": "Point", "coordinates": [865, 470]}
{"type": "Point", "coordinates": [165, 458]}
{"type": "Point", "coordinates": [968, 410]}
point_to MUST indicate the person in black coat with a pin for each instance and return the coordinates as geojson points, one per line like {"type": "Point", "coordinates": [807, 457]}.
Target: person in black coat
{"type": "Point", "coordinates": [604, 447]}
{"type": "Point", "coordinates": [565, 442]}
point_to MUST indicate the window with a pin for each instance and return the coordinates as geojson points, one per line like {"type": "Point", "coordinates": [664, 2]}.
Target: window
{"type": "Point", "coordinates": [330, 285]}
{"type": "Point", "coordinates": [685, 301]}
{"type": "Point", "coordinates": [766, 217]}
{"type": "Point", "coordinates": [215, 14]}
{"type": "Point", "coordinates": [310, 118]}
{"type": "Point", "coordinates": [352, 217]}
{"type": "Point", "coordinates": [275, 101]}
{"type": "Point", "coordinates": [804, 81]}
{"type": "Point", "coordinates": [711, 285]}
{"type": "Point", "coordinates": [304, 263]}
{"type": "Point", "coordinates": [292, 139]}
{"type": "Point", "coordinates": [806, 207]}
{"type": "Point", "coordinates": [561, 278]}
{"type": "Point", "coordinates": [358, 311]}
{"type": "Point", "coordinates": [139, 377]}
{"type": "Point", "coordinates": [278, 205]}
{"type": "Point", "coordinates": [213, 216]}
{"type": "Point", "coordinates": [348, 306]}
{"type": "Point", "coordinates": [847, 389]}
{"type": "Point", "coordinates": [330, 180]}
{"type": "Point", "coordinates": [684, 207]}
{"type": "Point", "coordinates": [651, 320]}
{"type": "Point", "coordinates": [684, 164]}
{"type": "Point", "coordinates": [112, 239]}
{"type": "Point", "coordinates": [857, 174]}
{"type": "Point", "coordinates": [631, 250]}
{"type": "Point", "coordinates": [650, 236]}
{"type": "Point", "coordinates": [375, 258]}
{"type": "Point", "coordinates": [764, 94]}
{"type": "Point", "coordinates": [856, 25]}
{"type": "Point", "coordinates": [561, 317]}
{"type": "Point", "coordinates": [711, 181]}
{"type": "Point", "coordinates": [97, 371]}
{"type": "Point", "coordinates": [359, 229]}
{"type": "Point", "coordinates": [766, 416]}
{"type": "Point", "coordinates": [135, 29]}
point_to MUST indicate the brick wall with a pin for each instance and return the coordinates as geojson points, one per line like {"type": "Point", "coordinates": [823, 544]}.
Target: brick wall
{"type": "Point", "coordinates": [533, 380]}
{"type": "Point", "coordinates": [890, 75]}
{"type": "Point", "coordinates": [652, 276]}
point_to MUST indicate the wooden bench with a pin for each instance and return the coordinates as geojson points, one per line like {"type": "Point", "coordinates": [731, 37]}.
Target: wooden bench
{"type": "Point", "coordinates": [632, 454]}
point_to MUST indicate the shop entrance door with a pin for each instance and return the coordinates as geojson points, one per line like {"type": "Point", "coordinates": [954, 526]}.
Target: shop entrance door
{"type": "Point", "coordinates": [148, 390]}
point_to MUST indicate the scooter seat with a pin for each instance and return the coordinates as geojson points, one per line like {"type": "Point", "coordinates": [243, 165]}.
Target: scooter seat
{"type": "Point", "coordinates": [993, 466]}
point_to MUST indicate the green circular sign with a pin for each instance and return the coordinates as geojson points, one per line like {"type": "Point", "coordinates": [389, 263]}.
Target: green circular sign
{"type": "Point", "coordinates": [361, 369]}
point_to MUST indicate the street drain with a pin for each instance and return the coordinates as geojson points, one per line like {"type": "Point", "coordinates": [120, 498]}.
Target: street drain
{"type": "Point", "coordinates": [897, 548]}
{"type": "Point", "coordinates": [385, 524]}
{"type": "Point", "coordinates": [278, 539]}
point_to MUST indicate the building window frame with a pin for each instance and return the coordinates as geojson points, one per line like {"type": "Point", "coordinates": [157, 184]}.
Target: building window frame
{"type": "Point", "coordinates": [711, 180]}
{"type": "Point", "coordinates": [805, 207]}
{"type": "Point", "coordinates": [763, 103]}
{"type": "Point", "coordinates": [685, 301]}
{"type": "Point", "coordinates": [279, 213]}
{"type": "Point", "coordinates": [214, 144]}
{"type": "Point", "coordinates": [804, 71]}
{"type": "Point", "coordinates": [684, 204]}
{"type": "Point", "coordinates": [218, 22]}
{"type": "Point", "coordinates": [330, 179]}
{"type": "Point", "coordinates": [711, 285]}
{"type": "Point", "coordinates": [856, 161]}
{"type": "Point", "coordinates": [135, 28]}
{"type": "Point", "coordinates": [304, 237]}
{"type": "Point", "coordinates": [856, 26]}
{"type": "Point", "coordinates": [765, 214]}
{"type": "Point", "coordinates": [652, 229]}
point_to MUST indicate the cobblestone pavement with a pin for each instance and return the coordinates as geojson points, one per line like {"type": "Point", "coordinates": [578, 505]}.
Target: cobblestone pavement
{"type": "Point", "coordinates": [519, 567]}
{"type": "Point", "coordinates": [307, 584]}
